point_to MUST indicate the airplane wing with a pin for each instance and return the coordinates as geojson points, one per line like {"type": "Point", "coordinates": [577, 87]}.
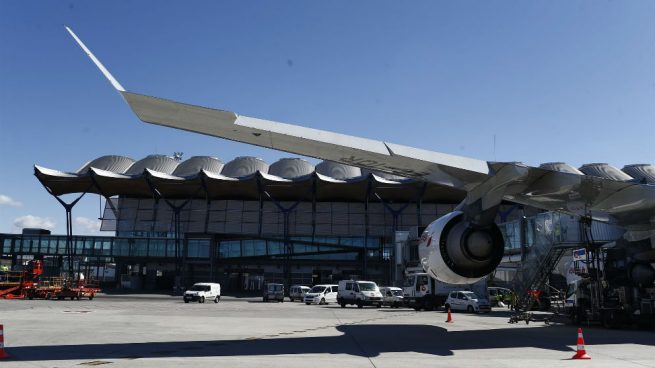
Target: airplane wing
{"type": "Point", "coordinates": [625, 203]}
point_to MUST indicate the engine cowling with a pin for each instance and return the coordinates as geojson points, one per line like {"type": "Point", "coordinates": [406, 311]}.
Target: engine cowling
{"type": "Point", "coordinates": [455, 251]}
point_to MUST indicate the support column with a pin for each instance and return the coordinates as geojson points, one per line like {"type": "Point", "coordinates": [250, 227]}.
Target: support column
{"type": "Point", "coordinates": [180, 251]}
{"type": "Point", "coordinates": [70, 252]}
{"type": "Point", "coordinates": [394, 226]}
{"type": "Point", "coordinates": [286, 212]}
{"type": "Point", "coordinates": [260, 191]}
{"type": "Point", "coordinates": [369, 186]}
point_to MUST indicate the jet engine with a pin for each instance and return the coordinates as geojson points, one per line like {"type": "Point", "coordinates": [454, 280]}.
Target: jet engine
{"type": "Point", "coordinates": [457, 251]}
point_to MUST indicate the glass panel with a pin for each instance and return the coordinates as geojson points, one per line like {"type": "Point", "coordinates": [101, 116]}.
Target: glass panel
{"type": "Point", "coordinates": [248, 248]}
{"type": "Point", "coordinates": [275, 247]}
{"type": "Point", "coordinates": [260, 247]}
{"type": "Point", "coordinates": [230, 249]}
{"type": "Point", "coordinates": [79, 245]}
{"type": "Point", "coordinates": [157, 248]}
{"type": "Point", "coordinates": [6, 245]}
{"type": "Point", "coordinates": [140, 248]}
{"type": "Point", "coordinates": [61, 245]}
{"type": "Point", "coordinates": [170, 248]}
{"type": "Point", "coordinates": [121, 247]}
{"type": "Point", "coordinates": [89, 246]}
{"type": "Point", "coordinates": [198, 248]}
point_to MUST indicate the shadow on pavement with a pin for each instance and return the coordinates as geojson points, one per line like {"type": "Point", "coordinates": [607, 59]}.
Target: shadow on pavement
{"type": "Point", "coordinates": [358, 340]}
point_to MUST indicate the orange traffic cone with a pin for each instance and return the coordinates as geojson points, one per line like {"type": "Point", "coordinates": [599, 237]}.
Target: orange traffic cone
{"type": "Point", "coordinates": [581, 353]}
{"type": "Point", "coordinates": [3, 353]}
{"type": "Point", "coordinates": [450, 317]}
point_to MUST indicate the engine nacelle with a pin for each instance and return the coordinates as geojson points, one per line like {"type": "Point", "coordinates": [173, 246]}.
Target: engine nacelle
{"type": "Point", "coordinates": [455, 251]}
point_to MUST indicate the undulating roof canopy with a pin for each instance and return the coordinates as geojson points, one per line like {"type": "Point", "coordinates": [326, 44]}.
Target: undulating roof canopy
{"type": "Point", "coordinates": [245, 178]}
{"type": "Point", "coordinates": [287, 179]}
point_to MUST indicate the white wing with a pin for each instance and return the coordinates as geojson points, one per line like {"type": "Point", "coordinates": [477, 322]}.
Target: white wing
{"type": "Point", "coordinates": [626, 203]}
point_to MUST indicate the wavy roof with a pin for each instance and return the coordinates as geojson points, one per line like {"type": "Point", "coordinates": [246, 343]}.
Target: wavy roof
{"type": "Point", "coordinates": [241, 178]}
{"type": "Point", "coordinates": [287, 179]}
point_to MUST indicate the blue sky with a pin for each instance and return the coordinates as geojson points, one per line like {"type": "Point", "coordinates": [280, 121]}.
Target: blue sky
{"type": "Point", "coordinates": [566, 81]}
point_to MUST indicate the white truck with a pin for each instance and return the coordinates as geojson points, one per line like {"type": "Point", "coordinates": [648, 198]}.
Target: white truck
{"type": "Point", "coordinates": [421, 291]}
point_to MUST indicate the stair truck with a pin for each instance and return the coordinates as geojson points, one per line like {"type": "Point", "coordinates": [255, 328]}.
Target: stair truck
{"type": "Point", "coordinates": [420, 291]}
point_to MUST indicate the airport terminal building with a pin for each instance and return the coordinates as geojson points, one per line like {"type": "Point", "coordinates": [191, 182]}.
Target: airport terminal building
{"type": "Point", "coordinates": [241, 223]}
{"type": "Point", "coordinates": [245, 222]}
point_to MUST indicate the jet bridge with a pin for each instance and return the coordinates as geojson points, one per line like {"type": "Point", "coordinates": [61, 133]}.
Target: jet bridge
{"type": "Point", "coordinates": [535, 245]}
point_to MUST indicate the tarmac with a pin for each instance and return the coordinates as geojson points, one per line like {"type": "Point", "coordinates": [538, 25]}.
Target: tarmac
{"type": "Point", "coordinates": [163, 331]}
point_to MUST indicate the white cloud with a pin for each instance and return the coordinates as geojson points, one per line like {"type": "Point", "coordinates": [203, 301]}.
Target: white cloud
{"type": "Point", "coordinates": [30, 221]}
{"type": "Point", "coordinates": [8, 201]}
{"type": "Point", "coordinates": [86, 226]}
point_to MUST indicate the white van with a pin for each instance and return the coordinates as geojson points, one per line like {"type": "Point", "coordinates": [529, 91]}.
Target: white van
{"type": "Point", "coordinates": [321, 294]}
{"type": "Point", "coordinates": [392, 296]}
{"type": "Point", "coordinates": [360, 293]}
{"type": "Point", "coordinates": [203, 291]}
{"type": "Point", "coordinates": [297, 292]}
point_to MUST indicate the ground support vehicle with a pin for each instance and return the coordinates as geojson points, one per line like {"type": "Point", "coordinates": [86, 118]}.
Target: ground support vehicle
{"type": "Point", "coordinates": [16, 284]}
{"type": "Point", "coordinates": [392, 296]}
{"type": "Point", "coordinates": [359, 293]}
{"type": "Point", "coordinates": [297, 292]}
{"type": "Point", "coordinates": [203, 291]}
{"type": "Point", "coordinates": [273, 291]}
{"type": "Point", "coordinates": [321, 294]}
{"type": "Point", "coordinates": [467, 301]}
{"type": "Point", "coordinates": [421, 291]}
{"type": "Point", "coordinates": [615, 287]}
{"type": "Point", "coordinates": [77, 291]}
{"type": "Point", "coordinates": [46, 288]}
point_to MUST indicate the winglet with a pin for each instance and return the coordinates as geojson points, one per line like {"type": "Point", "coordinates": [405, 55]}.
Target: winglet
{"type": "Point", "coordinates": [97, 62]}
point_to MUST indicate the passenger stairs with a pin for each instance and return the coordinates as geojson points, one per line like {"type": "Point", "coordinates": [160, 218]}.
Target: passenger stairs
{"type": "Point", "coordinates": [534, 276]}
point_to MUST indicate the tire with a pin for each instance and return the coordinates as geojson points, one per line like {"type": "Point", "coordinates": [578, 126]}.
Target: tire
{"type": "Point", "coordinates": [308, 303]}
{"type": "Point", "coordinates": [290, 299]}
{"type": "Point", "coordinates": [469, 309]}
{"type": "Point", "coordinates": [359, 304]}
{"type": "Point", "coordinates": [216, 299]}
{"type": "Point", "coordinates": [201, 300]}
{"type": "Point", "coordinates": [265, 299]}
{"type": "Point", "coordinates": [186, 300]}
{"type": "Point", "coordinates": [379, 305]}
{"type": "Point", "coordinates": [446, 307]}
{"type": "Point", "coordinates": [322, 302]}
{"type": "Point", "coordinates": [342, 304]}
{"type": "Point", "coordinates": [91, 297]}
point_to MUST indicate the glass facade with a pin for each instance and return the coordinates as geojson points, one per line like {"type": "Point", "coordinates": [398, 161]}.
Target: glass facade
{"type": "Point", "coordinates": [200, 248]}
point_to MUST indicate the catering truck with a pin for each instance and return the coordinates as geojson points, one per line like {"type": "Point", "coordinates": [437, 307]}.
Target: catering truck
{"type": "Point", "coordinates": [421, 291]}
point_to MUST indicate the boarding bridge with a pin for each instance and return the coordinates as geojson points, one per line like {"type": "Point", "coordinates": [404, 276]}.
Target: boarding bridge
{"type": "Point", "coordinates": [535, 245]}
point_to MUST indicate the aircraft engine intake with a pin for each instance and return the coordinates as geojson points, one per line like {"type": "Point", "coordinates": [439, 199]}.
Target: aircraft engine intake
{"type": "Point", "coordinates": [456, 251]}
